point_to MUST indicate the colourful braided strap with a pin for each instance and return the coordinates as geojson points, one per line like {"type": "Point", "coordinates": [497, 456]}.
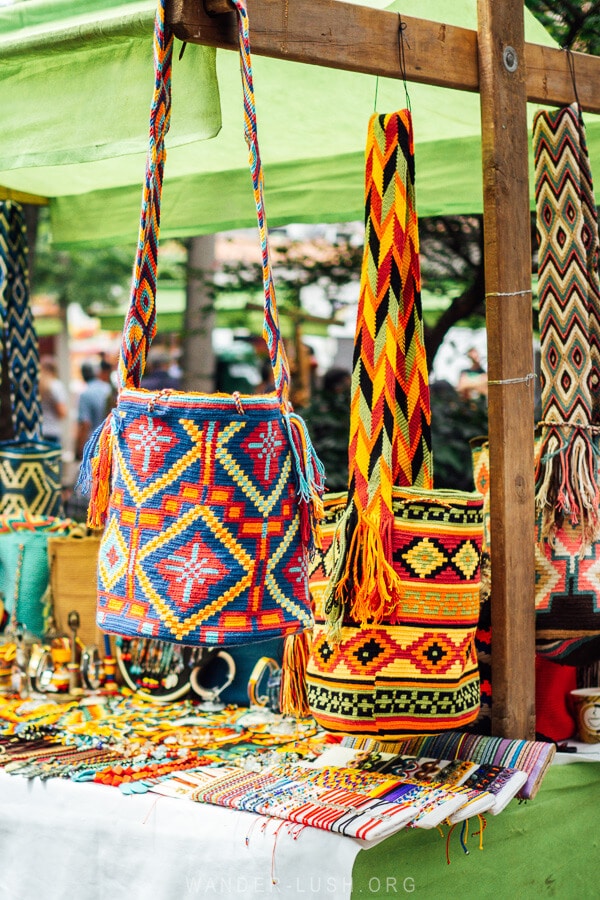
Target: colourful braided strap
{"type": "Point", "coordinates": [271, 330]}
{"type": "Point", "coordinates": [569, 298]}
{"type": "Point", "coordinates": [140, 323]}
{"type": "Point", "coordinates": [390, 436]}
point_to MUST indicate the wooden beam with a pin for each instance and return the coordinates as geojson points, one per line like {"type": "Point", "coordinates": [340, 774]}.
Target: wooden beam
{"type": "Point", "coordinates": [344, 36]}
{"type": "Point", "coordinates": [505, 142]}
{"type": "Point", "coordinates": [336, 35]}
{"type": "Point", "coordinates": [22, 197]}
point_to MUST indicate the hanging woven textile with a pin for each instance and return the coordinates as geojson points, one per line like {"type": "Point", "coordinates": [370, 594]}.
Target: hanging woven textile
{"type": "Point", "coordinates": [210, 501]}
{"type": "Point", "coordinates": [396, 582]}
{"type": "Point", "coordinates": [567, 494]}
{"type": "Point", "coordinates": [29, 467]}
{"type": "Point", "coordinates": [390, 416]}
{"type": "Point", "coordinates": [20, 409]}
{"type": "Point", "coordinates": [569, 301]}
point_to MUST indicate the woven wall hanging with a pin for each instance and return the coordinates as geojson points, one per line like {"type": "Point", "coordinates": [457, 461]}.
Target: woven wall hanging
{"type": "Point", "coordinates": [567, 494]}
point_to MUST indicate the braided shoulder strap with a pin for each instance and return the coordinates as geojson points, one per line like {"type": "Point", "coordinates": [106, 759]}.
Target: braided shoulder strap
{"type": "Point", "coordinates": [140, 323]}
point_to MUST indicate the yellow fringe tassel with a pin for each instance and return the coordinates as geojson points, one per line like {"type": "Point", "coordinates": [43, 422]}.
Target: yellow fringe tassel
{"type": "Point", "coordinates": [293, 695]}
{"type": "Point", "coordinates": [369, 578]}
{"type": "Point", "coordinates": [101, 478]}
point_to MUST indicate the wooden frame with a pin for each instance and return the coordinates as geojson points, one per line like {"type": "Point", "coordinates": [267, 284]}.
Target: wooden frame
{"type": "Point", "coordinates": [496, 62]}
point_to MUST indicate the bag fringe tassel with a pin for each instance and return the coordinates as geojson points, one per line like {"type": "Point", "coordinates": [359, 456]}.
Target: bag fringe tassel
{"type": "Point", "coordinates": [363, 580]}
{"type": "Point", "coordinates": [566, 484]}
{"type": "Point", "coordinates": [293, 694]}
{"type": "Point", "coordinates": [95, 472]}
{"type": "Point", "coordinates": [310, 480]}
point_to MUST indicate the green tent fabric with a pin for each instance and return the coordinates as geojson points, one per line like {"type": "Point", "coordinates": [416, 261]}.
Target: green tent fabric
{"type": "Point", "coordinates": [76, 89]}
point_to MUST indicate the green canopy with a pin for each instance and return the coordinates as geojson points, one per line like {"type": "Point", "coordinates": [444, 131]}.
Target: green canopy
{"type": "Point", "coordinates": [76, 89]}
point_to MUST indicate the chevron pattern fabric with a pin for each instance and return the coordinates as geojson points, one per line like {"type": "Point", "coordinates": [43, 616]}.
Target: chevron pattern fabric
{"type": "Point", "coordinates": [390, 418]}
{"type": "Point", "coordinates": [390, 433]}
{"type": "Point", "coordinates": [569, 300]}
{"type": "Point", "coordinates": [19, 340]}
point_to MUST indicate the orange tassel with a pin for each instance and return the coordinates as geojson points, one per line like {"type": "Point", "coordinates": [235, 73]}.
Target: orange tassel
{"type": "Point", "coordinates": [369, 580]}
{"type": "Point", "coordinates": [101, 478]}
{"type": "Point", "coordinates": [293, 695]}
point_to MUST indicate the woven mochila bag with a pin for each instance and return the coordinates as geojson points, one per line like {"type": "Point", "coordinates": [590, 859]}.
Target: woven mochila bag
{"type": "Point", "coordinates": [396, 583]}
{"type": "Point", "coordinates": [567, 590]}
{"type": "Point", "coordinates": [208, 501]}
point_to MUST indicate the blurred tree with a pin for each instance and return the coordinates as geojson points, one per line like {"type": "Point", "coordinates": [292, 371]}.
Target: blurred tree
{"type": "Point", "coordinates": [88, 275]}
{"type": "Point", "coordinates": [573, 23]}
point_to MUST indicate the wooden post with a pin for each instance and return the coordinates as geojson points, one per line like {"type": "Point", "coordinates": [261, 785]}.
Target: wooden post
{"type": "Point", "coordinates": [505, 140]}
{"type": "Point", "coordinates": [198, 354]}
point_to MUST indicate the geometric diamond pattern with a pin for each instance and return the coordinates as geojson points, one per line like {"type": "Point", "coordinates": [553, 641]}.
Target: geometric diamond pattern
{"type": "Point", "coordinates": [437, 653]}
{"type": "Point", "coordinates": [424, 558]}
{"type": "Point", "coordinates": [30, 479]}
{"type": "Point", "coordinates": [199, 547]}
{"type": "Point", "coordinates": [113, 555]}
{"type": "Point", "coordinates": [466, 559]}
{"type": "Point", "coordinates": [416, 672]}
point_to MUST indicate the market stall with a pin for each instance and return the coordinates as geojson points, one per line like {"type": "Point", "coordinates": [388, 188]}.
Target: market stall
{"type": "Point", "coordinates": [81, 829]}
{"type": "Point", "coordinates": [433, 54]}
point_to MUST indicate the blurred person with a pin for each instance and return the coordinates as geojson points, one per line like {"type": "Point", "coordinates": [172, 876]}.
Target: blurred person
{"type": "Point", "coordinates": [472, 382]}
{"type": "Point", "coordinates": [95, 401]}
{"type": "Point", "coordinates": [54, 400]}
{"type": "Point", "coordinates": [158, 375]}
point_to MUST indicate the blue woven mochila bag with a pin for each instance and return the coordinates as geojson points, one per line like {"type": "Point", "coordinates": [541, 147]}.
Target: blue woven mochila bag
{"type": "Point", "coordinates": [208, 502]}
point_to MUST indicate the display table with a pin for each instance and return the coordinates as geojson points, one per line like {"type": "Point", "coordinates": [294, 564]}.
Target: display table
{"type": "Point", "coordinates": [59, 839]}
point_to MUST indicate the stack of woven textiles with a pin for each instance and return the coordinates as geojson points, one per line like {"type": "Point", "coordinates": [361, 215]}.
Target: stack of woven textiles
{"type": "Point", "coordinates": [531, 757]}
{"type": "Point", "coordinates": [363, 805]}
{"type": "Point", "coordinates": [366, 796]}
{"type": "Point", "coordinates": [486, 788]}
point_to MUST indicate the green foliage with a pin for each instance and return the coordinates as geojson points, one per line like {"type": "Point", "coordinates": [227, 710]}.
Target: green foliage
{"type": "Point", "coordinates": [90, 276]}
{"type": "Point", "coordinates": [454, 422]}
{"type": "Point", "coordinates": [295, 265]}
{"type": "Point", "coordinates": [328, 420]}
{"type": "Point", "coordinates": [573, 23]}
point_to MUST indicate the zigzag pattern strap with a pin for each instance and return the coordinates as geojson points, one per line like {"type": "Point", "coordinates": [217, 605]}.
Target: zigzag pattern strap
{"type": "Point", "coordinates": [391, 412]}
{"type": "Point", "coordinates": [569, 299]}
{"type": "Point", "coordinates": [271, 331]}
{"type": "Point", "coordinates": [390, 421]}
{"type": "Point", "coordinates": [140, 323]}
{"type": "Point", "coordinates": [19, 339]}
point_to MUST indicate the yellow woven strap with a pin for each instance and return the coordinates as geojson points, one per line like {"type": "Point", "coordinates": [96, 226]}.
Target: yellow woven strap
{"type": "Point", "coordinates": [390, 436]}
